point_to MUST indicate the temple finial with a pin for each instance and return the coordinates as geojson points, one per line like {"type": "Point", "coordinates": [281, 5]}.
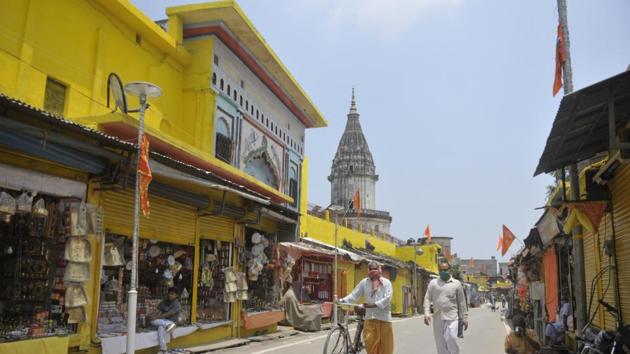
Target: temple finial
{"type": "Point", "coordinates": [353, 103]}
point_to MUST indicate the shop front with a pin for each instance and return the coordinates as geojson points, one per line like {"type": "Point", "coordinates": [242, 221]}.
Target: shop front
{"type": "Point", "coordinates": [253, 284]}
{"type": "Point", "coordinates": [47, 237]}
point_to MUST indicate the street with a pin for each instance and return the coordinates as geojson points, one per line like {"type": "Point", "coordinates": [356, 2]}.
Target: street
{"type": "Point", "coordinates": [485, 335]}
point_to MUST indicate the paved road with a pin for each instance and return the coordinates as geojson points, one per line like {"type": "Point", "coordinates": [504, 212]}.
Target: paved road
{"type": "Point", "coordinates": [485, 336]}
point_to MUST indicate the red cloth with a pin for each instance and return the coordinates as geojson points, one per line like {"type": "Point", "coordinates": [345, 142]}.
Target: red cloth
{"type": "Point", "coordinates": [560, 59]}
{"type": "Point", "coordinates": [550, 264]}
{"type": "Point", "coordinates": [145, 175]}
{"type": "Point", "coordinates": [593, 210]}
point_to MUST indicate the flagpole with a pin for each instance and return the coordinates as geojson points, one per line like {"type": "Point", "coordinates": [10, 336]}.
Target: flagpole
{"type": "Point", "coordinates": [578, 242]}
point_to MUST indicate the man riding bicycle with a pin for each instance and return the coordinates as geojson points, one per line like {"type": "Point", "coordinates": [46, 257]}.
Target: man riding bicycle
{"type": "Point", "coordinates": [377, 292]}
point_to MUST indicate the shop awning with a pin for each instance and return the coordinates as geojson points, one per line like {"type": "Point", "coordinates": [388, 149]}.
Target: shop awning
{"type": "Point", "coordinates": [353, 256]}
{"type": "Point", "coordinates": [298, 249]}
{"type": "Point", "coordinates": [581, 127]}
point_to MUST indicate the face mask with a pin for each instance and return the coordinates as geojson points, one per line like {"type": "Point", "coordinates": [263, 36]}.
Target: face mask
{"type": "Point", "coordinates": [445, 275]}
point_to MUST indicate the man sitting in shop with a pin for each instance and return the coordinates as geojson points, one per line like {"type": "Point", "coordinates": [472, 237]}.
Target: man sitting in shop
{"type": "Point", "coordinates": [166, 317]}
{"type": "Point", "coordinates": [554, 332]}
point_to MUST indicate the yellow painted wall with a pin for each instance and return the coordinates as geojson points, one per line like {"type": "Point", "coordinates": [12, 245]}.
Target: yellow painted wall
{"type": "Point", "coordinates": [79, 43]}
{"type": "Point", "coordinates": [322, 230]}
{"type": "Point", "coordinates": [428, 260]}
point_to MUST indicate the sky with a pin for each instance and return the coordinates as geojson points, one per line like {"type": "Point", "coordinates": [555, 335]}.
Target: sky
{"type": "Point", "coordinates": [454, 96]}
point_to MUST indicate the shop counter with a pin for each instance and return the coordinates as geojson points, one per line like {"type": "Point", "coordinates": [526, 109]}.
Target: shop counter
{"type": "Point", "coordinates": [45, 345]}
{"type": "Point", "coordinates": [118, 344]}
{"type": "Point", "coordinates": [255, 320]}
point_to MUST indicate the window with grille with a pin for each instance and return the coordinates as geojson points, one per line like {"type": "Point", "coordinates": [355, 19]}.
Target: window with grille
{"type": "Point", "coordinates": [223, 143]}
{"type": "Point", "coordinates": [55, 97]}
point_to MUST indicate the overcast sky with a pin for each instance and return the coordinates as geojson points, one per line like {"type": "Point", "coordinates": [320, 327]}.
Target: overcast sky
{"type": "Point", "coordinates": [454, 96]}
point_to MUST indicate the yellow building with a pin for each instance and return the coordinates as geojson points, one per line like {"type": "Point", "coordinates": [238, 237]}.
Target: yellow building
{"type": "Point", "coordinates": [227, 139]}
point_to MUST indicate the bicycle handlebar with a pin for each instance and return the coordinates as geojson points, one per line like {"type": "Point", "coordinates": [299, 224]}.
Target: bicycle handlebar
{"type": "Point", "coordinates": [608, 307]}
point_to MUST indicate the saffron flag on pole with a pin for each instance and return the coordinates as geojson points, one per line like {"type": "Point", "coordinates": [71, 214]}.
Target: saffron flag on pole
{"type": "Point", "coordinates": [508, 237]}
{"type": "Point", "coordinates": [145, 175]}
{"type": "Point", "coordinates": [427, 233]}
{"type": "Point", "coordinates": [356, 202]}
{"type": "Point", "coordinates": [560, 59]}
{"type": "Point", "coordinates": [500, 242]}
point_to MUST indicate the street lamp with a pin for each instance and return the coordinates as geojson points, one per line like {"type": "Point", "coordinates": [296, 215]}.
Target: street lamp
{"type": "Point", "coordinates": [417, 252]}
{"type": "Point", "coordinates": [143, 90]}
{"type": "Point", "coordinates": [336, 209]}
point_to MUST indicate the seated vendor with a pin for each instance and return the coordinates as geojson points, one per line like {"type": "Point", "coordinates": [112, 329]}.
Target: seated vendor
{"type": "Point", "coordinates": [554, 332]}
{"type": "Point", "coordinates": [166, 317]}
{"type": "Point", "coordinates": [300, 316]}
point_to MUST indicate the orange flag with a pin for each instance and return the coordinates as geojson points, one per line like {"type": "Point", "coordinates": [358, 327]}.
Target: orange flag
{"type": "Point", "coordinates": [508, 238]}
{"type": "Point", "coordinates": [427, 233]}
{"type": "Point", "coordinates": [560, 59]}
{"type": "Point", "coordinates": [145, 175]}
{"type": "Point", "coordinates": [500, 242]}
{"type": "Point", "coordinates": [356, 202]}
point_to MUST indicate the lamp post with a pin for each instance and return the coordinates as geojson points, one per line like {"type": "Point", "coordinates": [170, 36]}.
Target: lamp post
{"type": "Point", "coordinates": [416, 252]}
{"type": "Point", "coordinates": [336, 209]}
{"type": "Point", "coordinates": [143, 90]}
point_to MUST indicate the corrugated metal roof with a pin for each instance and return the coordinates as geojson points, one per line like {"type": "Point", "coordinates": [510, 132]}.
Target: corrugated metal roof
{"type": "Point", "coordinates": [580, 129]}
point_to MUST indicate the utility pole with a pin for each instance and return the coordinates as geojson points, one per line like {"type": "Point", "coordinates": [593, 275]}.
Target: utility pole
{"type": "Point", "coordinates": [579, 282]}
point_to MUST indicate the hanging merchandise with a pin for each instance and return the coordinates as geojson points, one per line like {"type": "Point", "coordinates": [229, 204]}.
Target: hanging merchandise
{"type": "Point", "coordinates": [78, 250]}
{"type": "Point", "coordinates": [24, 203]}
{"type": "Point", "coordinates": [78, 219]}
{"type": "Point", "coordinates": [212, 290]}
{"type": "Point", "coordinates": [75, 296]}
{"type": "Point", "coordinates": [263, 287]}
{"type": "Point", "coordinates": [7, 206]}
{"type": "Point", "coordinates": [76, 315]}
{"type": "Point", "coordinates": [112, 256]}
{"type": "Point", "coordinates": [39, 208]}
{"type": "Point", "coordinates": [77, 272]}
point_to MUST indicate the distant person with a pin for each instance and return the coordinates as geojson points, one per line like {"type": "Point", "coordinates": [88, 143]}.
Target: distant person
{"type": "Point", "coordinates": [167, 316]}
{"type": "Point", "coordinates": [503, 301]}
{"type": "Point", "coordinates": [493, 302]}
{"type": "Point", "coordinates": [554, 332]}
{"type": "Point", "coordinates": [521, 340]}
{"type": "Point", "coordinates": [449, 303]}
{"type": "Point", "coordinates": [377, 291]}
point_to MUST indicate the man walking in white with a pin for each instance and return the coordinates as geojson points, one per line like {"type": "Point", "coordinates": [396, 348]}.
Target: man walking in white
{"type": "Point", "coordinates": [449, 305]}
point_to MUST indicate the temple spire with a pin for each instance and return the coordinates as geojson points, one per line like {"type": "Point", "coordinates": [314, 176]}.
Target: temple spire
{"type": "Point", "coordinates": [353, 103]}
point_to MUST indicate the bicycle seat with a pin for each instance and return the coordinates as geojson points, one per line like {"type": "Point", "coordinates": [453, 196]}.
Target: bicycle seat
{"type": "Point", "coordinates": [360, 311]}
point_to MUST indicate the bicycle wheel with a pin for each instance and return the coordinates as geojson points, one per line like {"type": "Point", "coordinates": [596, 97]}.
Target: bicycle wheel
{"type": "Point", "coordinates": [336, 341]}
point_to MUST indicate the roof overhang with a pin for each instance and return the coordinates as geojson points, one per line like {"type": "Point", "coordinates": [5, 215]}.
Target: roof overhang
{"type": "Point", "coordinates": [586, 123]}
{"type": "Point", "coordinates": [226, 20]}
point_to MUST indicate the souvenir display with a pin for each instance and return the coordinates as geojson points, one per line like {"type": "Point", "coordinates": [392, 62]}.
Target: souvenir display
{"type": "Point", "coordinates": [258, 288]}
{"type": "Point", "coordinates": [160, 266]}
{"type": "Point", "coordinates": [43, 266]}
{"type": "Point", "coordinates": [215, 273]}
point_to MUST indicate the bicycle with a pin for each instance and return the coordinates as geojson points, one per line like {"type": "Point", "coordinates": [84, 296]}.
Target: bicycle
{"type": "Point", "coordinates": [339, 340]}
{"type": "Point", "coordinates": [606, 341]}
